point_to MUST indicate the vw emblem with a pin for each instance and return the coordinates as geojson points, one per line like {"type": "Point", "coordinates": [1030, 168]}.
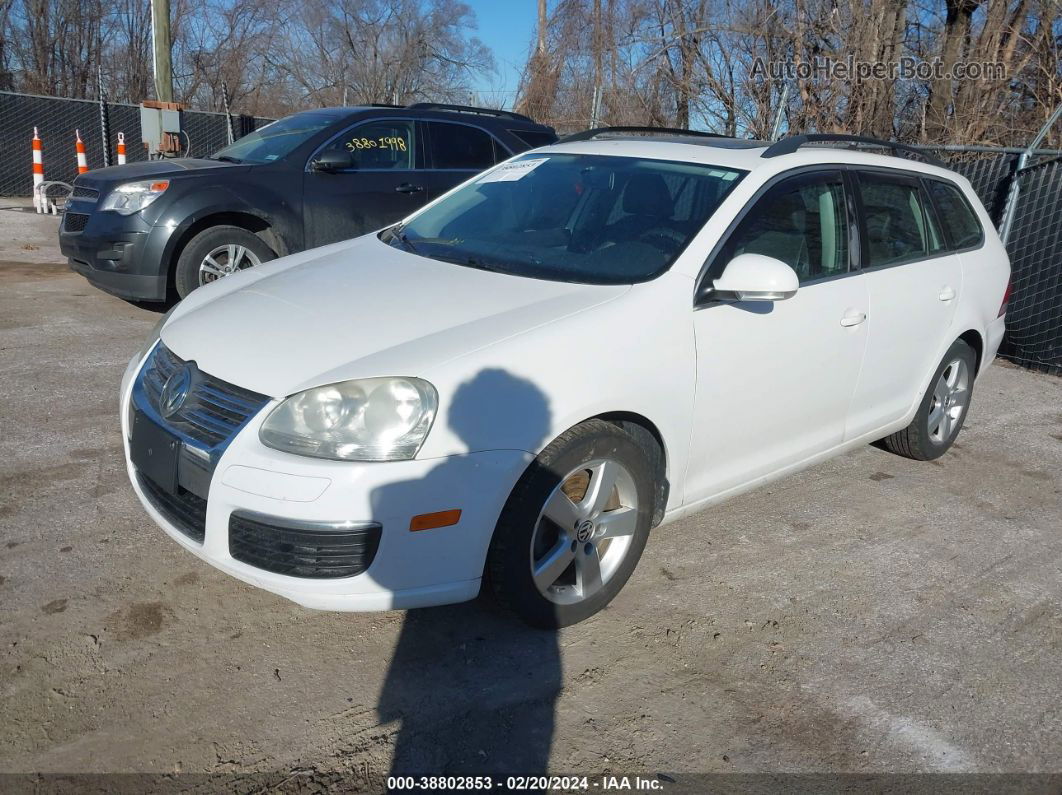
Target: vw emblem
{"type": "Point", "coordinates": [584, 531]}
{"type": "Point", "coordinates": [175, 391]}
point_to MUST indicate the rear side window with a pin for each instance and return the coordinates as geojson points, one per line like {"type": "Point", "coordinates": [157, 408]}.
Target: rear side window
{"type": "Point", "coordinates": [535, 138]}
{"type": "Point", "coordinates": [459, 146]}
{"type": "Point", "coordinates": [899, 227]}
{"type": "Point", "coordinates": [956, 215]}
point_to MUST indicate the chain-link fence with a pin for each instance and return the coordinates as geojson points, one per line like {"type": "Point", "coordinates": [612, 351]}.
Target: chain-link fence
{"type": "Point", "coordinates": [1034, 316]}
{"type": "Point", "coordinates": [57, 119]}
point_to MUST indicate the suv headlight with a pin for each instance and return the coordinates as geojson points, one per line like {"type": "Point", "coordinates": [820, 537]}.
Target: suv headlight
{"type": "Point", "coordinates": [368, 419]}
{"type": "Point", "coordinates": [132, 197]}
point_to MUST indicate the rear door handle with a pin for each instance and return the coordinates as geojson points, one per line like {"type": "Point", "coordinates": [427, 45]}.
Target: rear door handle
{"type": "Point", "coordinates": [407, 187]}
{"type": "Point", "coordinates": [947, 293]}
{"type": "Point", "coordinates": [852, 318]}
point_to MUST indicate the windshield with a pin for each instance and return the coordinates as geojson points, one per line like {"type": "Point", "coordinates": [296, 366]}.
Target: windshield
{"type": "Point", "coordinates": [276, 139]}
{"type": "Point", "coordinates": [594, 219]}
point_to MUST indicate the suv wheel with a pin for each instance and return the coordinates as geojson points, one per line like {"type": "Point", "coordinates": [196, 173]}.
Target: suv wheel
{"type": "Point", "coordinates": [942, 411]}
{"type": "Point", "coordinates": [574, 526]}
{"type": "Point", "coordinates": [216, 252]}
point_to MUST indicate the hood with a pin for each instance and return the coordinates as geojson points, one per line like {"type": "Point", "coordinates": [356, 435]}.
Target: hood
{"type": "Point", "coordinates": [151, 168]}
{"type": "Point", "coordinates": [356, 310]}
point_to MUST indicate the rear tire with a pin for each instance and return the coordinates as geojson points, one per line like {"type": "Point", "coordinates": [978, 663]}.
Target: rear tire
{"type": "Point", "coordinates": [574, 527]}
{"type": "Point", "coordinates": [939, 418]}
{"type": "Point", "coordinates": [217, 252]}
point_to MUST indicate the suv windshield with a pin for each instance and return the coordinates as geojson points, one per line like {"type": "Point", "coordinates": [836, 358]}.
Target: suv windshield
{"type": "Point", "coordinates": [276, 139]}
{"type": "Point", "coordinates": [595, 219]}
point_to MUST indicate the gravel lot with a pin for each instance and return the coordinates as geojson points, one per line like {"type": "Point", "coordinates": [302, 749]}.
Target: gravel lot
{"type": "Point", "coordinates": [871, 614]}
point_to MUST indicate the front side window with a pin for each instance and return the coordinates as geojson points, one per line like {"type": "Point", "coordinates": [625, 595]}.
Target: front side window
{"type": "Point", "coordinates": [899, 228]}
{"type": "Point", "coordinates": [378, 145]}
{"type": "Point", "coordinates": [458, 146]}
{"type": "Point", "coordinates": [803, 221]}
{"type": "Point", "coordinates": [956, 215]}
{"type": "Point", "coordinates": [594, 219]}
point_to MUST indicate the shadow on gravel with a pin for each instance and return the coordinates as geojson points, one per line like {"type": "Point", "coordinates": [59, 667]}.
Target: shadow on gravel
{"type": "Point", "coordinates": [474, 688]}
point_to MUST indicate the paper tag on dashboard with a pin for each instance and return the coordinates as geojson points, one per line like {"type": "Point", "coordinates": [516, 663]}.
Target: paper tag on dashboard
{"type": "Point", "coordinates": [510, 172]}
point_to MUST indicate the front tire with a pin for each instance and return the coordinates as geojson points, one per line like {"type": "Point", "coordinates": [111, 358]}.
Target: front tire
{"type": "Point", "coordinates": [939, 418]}
{"type": "Point", "coordinates": [574, 527]}
{"type": "Point", "coordinates": [216, 252]}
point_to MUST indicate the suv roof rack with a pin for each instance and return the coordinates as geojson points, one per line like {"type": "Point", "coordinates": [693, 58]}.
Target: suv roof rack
{"type": "Point", "coordinates": [503, 114]}
{"type": "Point", "coordinates": [787, 146]}
{"type": "Point", "coordinates": [587, 135]}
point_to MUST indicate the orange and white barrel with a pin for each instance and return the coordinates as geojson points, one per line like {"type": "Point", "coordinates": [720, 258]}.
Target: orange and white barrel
{"type": "Point", "coordinates": [82, 161]}
{"type": "Point", "coordinates": [38, 172]}
{"type": "Point", "coordinates": [121, 149]}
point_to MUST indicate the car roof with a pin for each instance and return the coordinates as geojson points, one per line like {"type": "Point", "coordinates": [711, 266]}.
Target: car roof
{"type": "Point", "coordinates": [742, 154]}
{"type": "Point", "coordinates": [470, 115]}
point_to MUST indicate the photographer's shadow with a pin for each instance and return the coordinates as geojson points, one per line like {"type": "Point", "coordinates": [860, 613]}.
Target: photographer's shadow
{"type": "Point", "coordinates": [472, 687]}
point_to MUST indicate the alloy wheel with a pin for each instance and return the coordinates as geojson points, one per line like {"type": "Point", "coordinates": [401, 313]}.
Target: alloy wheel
{"type": "Point", "coordinates": [950, 396]}
{"type": "Point", "coordinates": [584, 532]}
{"type": "Point", "coordinates": [225, 260]}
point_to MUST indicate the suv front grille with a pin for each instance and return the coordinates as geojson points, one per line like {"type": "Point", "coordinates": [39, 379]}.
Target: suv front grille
{"type": "Point", "coordinates": [81, 192]}
{"type": "Point", "coordinates": [185, 510]}
{"type": "Point", "coordinates": [214, 409]}
{"type": "Point", "coordinates": [313, 552]}
{"type": "Point", "coordinates": [75, 222]}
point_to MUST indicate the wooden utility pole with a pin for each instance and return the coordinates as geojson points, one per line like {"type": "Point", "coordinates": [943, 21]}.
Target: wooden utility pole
{"type": "Point", "coordinates": [542, 22]}
{"type": "Point", "coordinates": [595, 108]}
{"type": "Point", "coordinates": [160, 50]}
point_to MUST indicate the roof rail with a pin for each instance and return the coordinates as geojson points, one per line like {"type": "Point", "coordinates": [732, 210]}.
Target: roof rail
{"type": "Point", "coordinates": [787, 146]}
{"type": "Point", "coordinates": [586, 135]}
{"type": "Point", "coordinates": [503, 114]}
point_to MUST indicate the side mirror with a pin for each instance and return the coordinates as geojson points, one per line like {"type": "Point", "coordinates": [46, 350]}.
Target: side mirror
{"type": "Point", "coordinates": [755, 277]}
{"type": "Point", "coordinates": [333, 160]}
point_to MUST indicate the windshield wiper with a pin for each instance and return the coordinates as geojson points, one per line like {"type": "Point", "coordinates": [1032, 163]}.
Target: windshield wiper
{"type": "Point", "coordinates": [227, 159]}
{"type": "Point", "coordinates": [397, 234]}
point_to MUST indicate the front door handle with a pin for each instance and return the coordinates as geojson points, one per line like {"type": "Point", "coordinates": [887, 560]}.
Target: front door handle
{"type": "Point", "coordinates": [852, 318]}
{"type": "Point", "coordinates": [408, 187]}
{"type": "Point", "coordinates": [947, 293]}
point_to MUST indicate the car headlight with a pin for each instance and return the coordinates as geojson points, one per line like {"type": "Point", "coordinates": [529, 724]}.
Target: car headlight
{"type": "Point", "coordinates": [368, 419]}
{"type": "Point", "coordinates": [132, 197]}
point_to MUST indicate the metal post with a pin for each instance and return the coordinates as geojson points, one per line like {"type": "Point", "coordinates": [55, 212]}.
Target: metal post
{"type": "Point", "coordinates": [225, 105]}
{"type": "Point", "coordinates": [1011, 208]}
{"type": "Point", "coordinates": [160, 50]}
{"type": "Point", "coordinates": [776, 128]}
{"type": "Point", "coordinates": [595, 108]}
{"type": "Point", "coordinates": [105, 131]}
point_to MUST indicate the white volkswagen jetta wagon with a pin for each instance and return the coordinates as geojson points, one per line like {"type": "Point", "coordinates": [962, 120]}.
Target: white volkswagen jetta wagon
{"type": "Point", "coordinates": [593, 339]}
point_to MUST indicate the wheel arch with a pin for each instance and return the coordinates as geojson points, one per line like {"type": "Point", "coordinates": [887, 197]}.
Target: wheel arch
{"type": "Point", "coordinates": [973, 338]}
{"type": "Point", "coordinates": [249, 221]}
{"type": "Point", "coordinates": [646, 433]}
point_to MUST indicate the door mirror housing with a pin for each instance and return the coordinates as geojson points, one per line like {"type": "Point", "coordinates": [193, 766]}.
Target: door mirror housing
{"type": "Point", "coordinates": [330, 161]}
{"type": "Point", "coordinates": [755, 277]}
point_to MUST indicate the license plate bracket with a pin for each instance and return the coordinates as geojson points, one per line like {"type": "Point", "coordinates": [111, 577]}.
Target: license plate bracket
{"type": "Point", "coordinates": [155, 452]}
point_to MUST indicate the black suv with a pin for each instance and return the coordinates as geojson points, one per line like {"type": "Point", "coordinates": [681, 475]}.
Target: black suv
{"type": "Point", "coordinates": [313, 178]}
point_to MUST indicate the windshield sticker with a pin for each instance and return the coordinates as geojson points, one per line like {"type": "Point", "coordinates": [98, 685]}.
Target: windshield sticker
{"type": "Point", "coordinates": [510, 172]}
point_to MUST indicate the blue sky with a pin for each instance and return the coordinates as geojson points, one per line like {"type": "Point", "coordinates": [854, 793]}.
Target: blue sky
{"type": "Point", "coordinates": [507, 27]}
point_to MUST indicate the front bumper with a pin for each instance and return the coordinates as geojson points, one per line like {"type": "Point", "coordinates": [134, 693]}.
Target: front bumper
{"type": "Point", "coordinates": [120, 254]}
{"type": "Point", "coordinates": [410, 569]}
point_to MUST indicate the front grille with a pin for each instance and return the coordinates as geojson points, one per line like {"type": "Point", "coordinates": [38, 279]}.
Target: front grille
{"type": "Point", "coordinates": [184, 509]}
{"type": "Point", "coordinates": [81, 192]}
{"type": "Point", "coordinates": [214, 409]}
{"type": "Point", "coordinates": [75, 222]}
{"type": "Point", "coordinates": [310, 552]}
